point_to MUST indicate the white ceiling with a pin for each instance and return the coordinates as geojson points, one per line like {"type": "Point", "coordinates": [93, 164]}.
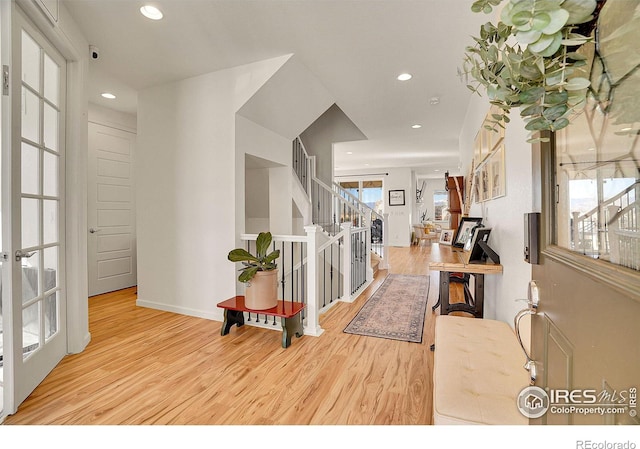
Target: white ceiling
{"type": "Point", "coordinates": [356, 48]}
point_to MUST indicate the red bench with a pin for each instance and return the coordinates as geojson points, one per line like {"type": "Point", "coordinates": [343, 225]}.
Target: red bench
{"type": "Point", "coordinates": [289, 313]}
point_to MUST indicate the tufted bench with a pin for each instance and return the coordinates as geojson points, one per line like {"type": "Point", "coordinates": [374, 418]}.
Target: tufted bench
{"type": "Point", "coordinates": [478, 372]}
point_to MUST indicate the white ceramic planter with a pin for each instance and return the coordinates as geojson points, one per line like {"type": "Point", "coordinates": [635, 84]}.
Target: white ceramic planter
{"type": "Point", "coordinates": [261, 292]}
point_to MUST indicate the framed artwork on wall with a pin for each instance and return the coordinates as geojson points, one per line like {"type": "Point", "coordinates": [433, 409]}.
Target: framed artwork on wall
{"type": "Point", "coordinates": [396, 198]}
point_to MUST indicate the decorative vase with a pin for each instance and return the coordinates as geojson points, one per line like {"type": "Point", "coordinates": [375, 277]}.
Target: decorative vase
{"type": "Point", "coordinates": [261, 292]}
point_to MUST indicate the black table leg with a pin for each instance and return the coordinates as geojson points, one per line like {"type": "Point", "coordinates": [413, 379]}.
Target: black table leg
{"type": "Point", "coordinates": [444, 293]}
{"type": "Point", "coordinates": [479, 295]}
{"type": "Point", "coordinates": [291, 326]}
{"type": "Point", "coordinates": [231, 317]}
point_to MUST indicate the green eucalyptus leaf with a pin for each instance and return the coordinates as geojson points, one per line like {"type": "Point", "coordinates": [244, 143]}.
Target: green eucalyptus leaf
{"type": "Point", "coordinates": [575, 56]}
{"type": "Point", "coordinates": [580, 11]}
{"type": "Point", "coordinates": [556, 20]}
{"type": "Point", "coordinates": [555, 112]}
{"type": "Point", "coordinates": [577, 83]}
{"type": "Point", "coordinates": [528, 37]}
{"type": "Point", "coordinates": [534, 109]}
{"type": "Point", "coordinates": [541, 44]}
{"type": "Point", "coordinates": [560, 123]}
{"type": "Point", "coordinates": [531, 95]}
{"type": "Point", "coordinates": [530, 72]}
{"type": "Point", "coordinates": [541, 20]}
{"type": "Point", "coordinates": [555, 45]}
{"type": "Point", "coordinates": [537, 124]}
{"type": "Point", "coordinates": [553, 98]}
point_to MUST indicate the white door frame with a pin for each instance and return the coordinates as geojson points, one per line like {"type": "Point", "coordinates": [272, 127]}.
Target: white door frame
{"type": "Point", "coordinates": [69, 41]}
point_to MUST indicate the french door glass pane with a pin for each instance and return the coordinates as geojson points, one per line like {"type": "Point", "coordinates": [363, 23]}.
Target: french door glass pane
{"type": "Point", "coordinates": [51, 80]}
{"type": "Point", "coordinates": [50, 315]}
{"type": "Point", "coordinates": [30, 169]}
{"type": "Point", "coordinates": [30, 277]}
{"type": "Point", "coordinates": [50, 181]}
{"type": "Point", "coordinates": [30, 116]}
{"type": "Point", "coordinates": [30, 328]}
{"type": "Point", "coordinates": [50, 221]}
{"type": "Point", "coordinates": [30, 61]}
{"type": "Point", "coordinates": [30, 222]}
{"type": "Point", "coordinates": [50, 127]}
{"type": "Point", "coordinates": [50, 268]}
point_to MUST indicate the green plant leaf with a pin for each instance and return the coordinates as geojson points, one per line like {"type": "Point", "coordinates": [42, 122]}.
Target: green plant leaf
{"type": "Point", "coordinates": [577, 83]}
{"type": "Point", "coordinates": [271, 257]}
{"type": "Point", "coordinates": [262, 244]}
{"type": "Point", "coordinates": [554, 98]}
{"type": "Point", "coordinates": [534, 109]}
{"type": "Point", "coordinates": [240, 255]}
{"type": "Point", "coordinates": [247, 274]}
{"type": "Point", "coordinates": [560, 123]}
{"type": "Point", "coordinates": [580, 11]}
{"type": "Point", "coordinates": [531, 95]}
{"type": "Point", "coordinates": [555, 112]}
{"type": "Point", "coordinates": [538, 124]}
{"type": "Point", "coordinates": [556, 20]}
{"type": "Point", "coordinates": [528, 37]}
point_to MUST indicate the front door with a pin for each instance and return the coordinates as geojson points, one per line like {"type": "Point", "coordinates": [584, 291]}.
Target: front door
{"type": "Point", "coordinates": [585, 336]}
{"type": "Point", "coordinates": [111, 239]}
{"type": "Point", "coordinates": [37, 340]}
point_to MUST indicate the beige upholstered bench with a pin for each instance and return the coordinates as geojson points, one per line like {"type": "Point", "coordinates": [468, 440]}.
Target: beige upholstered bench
{"type": "Point", "coordinates": [478, 372]}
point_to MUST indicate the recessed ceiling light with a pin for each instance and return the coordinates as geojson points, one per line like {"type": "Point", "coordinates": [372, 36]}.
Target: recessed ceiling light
{"type": "Point", "coordinates": [416, 126]}
{"type": "Point", "coordinates": [626, 129]}
{"type": "Point", "coordinates": [591, 149]}
{"type": "Point", "coordinates": [349, 152]}
{"type": "Point", "coordinates": [436, 170]}
{"type": "Point", "coordinates": [151, 12]}
{"type": "Point", "coordinates": [404, 77]}
{"type": "Point", "coordinates": [434, 100]}
{"type": "Point", "coordinates": [108, 95]}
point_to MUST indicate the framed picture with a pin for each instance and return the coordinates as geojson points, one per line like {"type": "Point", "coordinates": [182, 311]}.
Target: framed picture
{"type": "Point", "coordinates": [465, 230]}
{"type": "Point", "coordinates": [472, 250]}
{"type": "Point", "coordinates": [496, 166]}
{"type": "Point", "coordinates": [396, 198]}
{"type": "Point", "coordinates": [446, 236]}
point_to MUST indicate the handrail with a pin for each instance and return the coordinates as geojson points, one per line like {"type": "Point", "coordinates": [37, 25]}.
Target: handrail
{"type": "Point", "coordinates": [610, 201]}
{"type": "Point", "coordinates": [357, 201]}
{"type": "Point", "coordinates": [333, 239]}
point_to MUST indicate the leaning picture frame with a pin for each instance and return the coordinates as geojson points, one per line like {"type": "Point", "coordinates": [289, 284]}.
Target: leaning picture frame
{"type": "Point", "coordinates": [446, 236]}
{"type": "Point", "coordinates": [465, 230]}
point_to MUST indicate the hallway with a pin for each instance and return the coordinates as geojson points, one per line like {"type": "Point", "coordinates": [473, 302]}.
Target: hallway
{"type": "Point", "coordinates": [145, 366]}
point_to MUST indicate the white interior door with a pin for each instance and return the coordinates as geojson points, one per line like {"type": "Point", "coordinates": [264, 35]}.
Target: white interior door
{"type": "Point", "coordinates": [111, 241]}
{"type": "Point", "coordinates": [38, 307]}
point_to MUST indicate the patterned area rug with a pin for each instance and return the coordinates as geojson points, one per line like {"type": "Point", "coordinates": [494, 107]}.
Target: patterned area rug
{"type": "Point", "coordinates": [395, 311]}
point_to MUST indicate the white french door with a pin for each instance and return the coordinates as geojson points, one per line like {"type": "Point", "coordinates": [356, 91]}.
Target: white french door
{"type": "Point", "coordinates": [37, 331]}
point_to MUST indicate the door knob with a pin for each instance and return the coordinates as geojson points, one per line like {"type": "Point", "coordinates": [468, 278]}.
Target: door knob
{"type": "Point", "coordinates": [22, 255]}
{"type": "Point", "coordinates": [93, 230]}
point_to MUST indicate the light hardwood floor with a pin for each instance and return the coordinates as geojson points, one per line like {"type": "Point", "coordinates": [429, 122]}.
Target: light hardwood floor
{"type": "Point", "coordinates": [145, 366]}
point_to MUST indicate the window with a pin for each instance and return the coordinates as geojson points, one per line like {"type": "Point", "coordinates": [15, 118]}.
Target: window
{"type": "Point", "coordinates": [597, 156]}
{"type": "Point", "coordinates": [369, 192]}
{"type": "Point", "coordinates": [441, 205]}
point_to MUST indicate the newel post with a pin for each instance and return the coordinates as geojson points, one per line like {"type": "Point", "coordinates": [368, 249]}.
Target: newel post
{"type": "Point", "coordinates": [384, 263]}
{"type": "Point", "coordinates": [347, 254]}
{"type": "Point", "coordinates": [576, 235]}
{"type": "Point", "coordinates": [312, 322]}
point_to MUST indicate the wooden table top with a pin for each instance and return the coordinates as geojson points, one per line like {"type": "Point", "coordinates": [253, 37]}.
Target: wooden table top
{"type": "Point", "coordinates": [285, 309]}
{"type": "Point", "coordinates": [445, 258]}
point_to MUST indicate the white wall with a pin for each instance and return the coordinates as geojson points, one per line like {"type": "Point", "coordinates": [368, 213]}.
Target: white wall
{"type": "Point", "coordinates": [504, 215]}
{"type": "Point", "coordinates": [188, 187]}
{"type": "Point", "coordinates": [115, 119]}
{"type": "Point", "coordinates": [431, 185]}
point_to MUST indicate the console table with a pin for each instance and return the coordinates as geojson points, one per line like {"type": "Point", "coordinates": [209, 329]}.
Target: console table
{"type": "Point", "coordinates": [446, 260]}
{"type": "Point", "coordinates": [289, 313]}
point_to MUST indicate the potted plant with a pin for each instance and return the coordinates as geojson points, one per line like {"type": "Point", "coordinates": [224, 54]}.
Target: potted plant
{"type": "Point", "coordinates": [530, 60]}
{"type": "Point", "coordinates": [259, 273]}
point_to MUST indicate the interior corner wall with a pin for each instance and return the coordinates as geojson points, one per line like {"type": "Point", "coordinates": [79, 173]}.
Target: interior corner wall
{"type": "Point", "coordinates": [186, 189]}
{"type": "Point", "coordinates": [505, 215]}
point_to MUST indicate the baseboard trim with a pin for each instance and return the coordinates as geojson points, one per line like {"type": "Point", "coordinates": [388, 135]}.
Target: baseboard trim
{"type": "Point", "coordinates": [215, 316]}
